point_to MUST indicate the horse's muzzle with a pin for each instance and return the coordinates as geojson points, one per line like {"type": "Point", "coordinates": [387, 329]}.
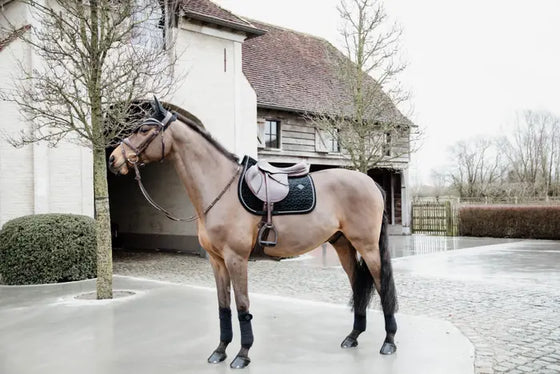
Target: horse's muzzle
{"type": "Point", "coordinates": [120, 169]}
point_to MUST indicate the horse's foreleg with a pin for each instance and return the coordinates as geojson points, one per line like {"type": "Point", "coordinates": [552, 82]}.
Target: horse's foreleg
{"type": "Point", "coordinates": [237, 267]}
{"type": "Point", "coordinates": [222, 278]}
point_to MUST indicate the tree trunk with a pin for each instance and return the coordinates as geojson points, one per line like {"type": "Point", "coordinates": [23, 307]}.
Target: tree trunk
{"type": "Point", "coordinates": [103, 220]}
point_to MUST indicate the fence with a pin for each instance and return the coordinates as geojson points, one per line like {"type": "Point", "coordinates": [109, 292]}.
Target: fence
{"type": "Point", "coordinates": [502, 200]}
{"type": "Point", "coordinates": [435, 218]}
{"type": "Point", "coordinates": [511, 200]}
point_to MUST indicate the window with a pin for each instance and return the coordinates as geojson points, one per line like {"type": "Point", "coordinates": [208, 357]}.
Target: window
{"type": "Point", "coordinates": [327, 142]}
{"type": "Point", "coordinates": [151, 19]}
{"type": "Point", "coordinates": [387, 144]}
{"type": "Point", "coordinates": [272, 134]}
{"type": "Point", "coordinates": [334, 145]}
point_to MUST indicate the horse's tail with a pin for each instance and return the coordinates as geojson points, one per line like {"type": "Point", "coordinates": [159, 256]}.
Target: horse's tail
{"type": "Point", "coordinates": [362, 287]}
{"type": "Point", "coordinates": [363, 283]}
{"type": "Point", "coordinates": [388, 290]}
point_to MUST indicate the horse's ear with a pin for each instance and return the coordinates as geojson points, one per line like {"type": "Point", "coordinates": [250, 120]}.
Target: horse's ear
{"type": "Point", "coordinates": [158, 108]}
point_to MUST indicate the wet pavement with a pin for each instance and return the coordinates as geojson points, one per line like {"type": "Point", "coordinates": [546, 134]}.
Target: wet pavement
{"type": "Point", "coordinates": [404, 246]}
{"type": "Point", "coordinates": [169, 328]}
{"type": "Point", "coordinates": [503, 295]}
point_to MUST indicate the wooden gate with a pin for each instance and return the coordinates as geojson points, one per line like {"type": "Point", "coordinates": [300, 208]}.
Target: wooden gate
{"type": "Point", "coordinates": [434, 218]}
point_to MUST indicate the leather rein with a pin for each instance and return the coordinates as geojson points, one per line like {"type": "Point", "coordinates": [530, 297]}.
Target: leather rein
{"type": "Point", "coordinates": [161, 127]}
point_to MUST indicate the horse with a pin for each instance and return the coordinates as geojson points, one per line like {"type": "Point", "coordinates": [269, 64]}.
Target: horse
{"type": "Point", "coordinates": [349, 213]}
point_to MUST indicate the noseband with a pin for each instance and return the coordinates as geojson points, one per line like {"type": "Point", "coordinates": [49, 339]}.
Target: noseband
{"type": "Point", "coordinates": [161, 126]}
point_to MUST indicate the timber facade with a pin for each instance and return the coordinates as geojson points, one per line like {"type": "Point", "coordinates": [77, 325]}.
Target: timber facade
{"type": "Point", "coordinates": [293, 78]}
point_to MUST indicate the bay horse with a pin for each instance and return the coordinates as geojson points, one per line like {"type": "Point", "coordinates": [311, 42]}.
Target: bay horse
{"type": "Point", "coordinates": [349, 213]}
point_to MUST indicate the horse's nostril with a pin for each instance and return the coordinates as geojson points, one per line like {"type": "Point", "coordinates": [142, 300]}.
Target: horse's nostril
{"type": "Point", "coordinates": [112, 159]}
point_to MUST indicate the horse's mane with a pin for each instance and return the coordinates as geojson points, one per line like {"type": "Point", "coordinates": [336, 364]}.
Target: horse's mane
{"type": "Point", "coordinates": [195, 124]}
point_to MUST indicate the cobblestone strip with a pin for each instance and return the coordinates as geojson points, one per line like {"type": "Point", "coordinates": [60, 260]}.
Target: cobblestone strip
{"type": "Point", "coordinates": [513, 327]}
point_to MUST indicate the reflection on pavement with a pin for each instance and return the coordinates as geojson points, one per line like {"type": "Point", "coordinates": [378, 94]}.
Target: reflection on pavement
{"type": "Point", "coordinates": [402, 246]}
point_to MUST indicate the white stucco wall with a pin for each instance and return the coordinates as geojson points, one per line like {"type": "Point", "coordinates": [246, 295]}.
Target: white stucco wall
{"type": "Point", "coordinates": [215, 89]}
{"type": "Point", "coordinates": [36, 178]}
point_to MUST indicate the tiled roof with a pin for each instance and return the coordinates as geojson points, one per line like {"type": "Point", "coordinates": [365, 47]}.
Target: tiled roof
{"type": "Point", "coordinates": [294, 71]}
{"type": "Point", "coordinates": [207, 11]}
{"type": "Point", "coordinates": [13, 36]}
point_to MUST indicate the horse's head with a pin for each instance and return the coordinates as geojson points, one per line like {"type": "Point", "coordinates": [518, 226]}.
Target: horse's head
{"type": "Point", "coordinates": [140, 148]}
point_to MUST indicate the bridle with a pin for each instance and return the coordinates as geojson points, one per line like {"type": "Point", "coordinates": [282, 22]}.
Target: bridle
{"type": "Point", "coordinates": [161, 126]}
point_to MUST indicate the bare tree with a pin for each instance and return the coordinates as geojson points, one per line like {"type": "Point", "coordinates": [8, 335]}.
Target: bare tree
{"type": "Point", "coordinates": [477, 167]}
{"type": "Point", "coordinates": [533, 151]}
{"type": "Point", "coordinates": [440, 183]}
{"type": "Point", "coordinates": [95, 58]}
{"type": "Point", "coordinates": [364, 118]}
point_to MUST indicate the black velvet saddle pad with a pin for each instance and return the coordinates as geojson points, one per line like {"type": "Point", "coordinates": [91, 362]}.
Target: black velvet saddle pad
{"type": "Point", "coordinates": [300, 200]}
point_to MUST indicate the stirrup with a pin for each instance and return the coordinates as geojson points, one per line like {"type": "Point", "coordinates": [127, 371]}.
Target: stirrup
{"type": "Point", "coordinates": [264, 233]}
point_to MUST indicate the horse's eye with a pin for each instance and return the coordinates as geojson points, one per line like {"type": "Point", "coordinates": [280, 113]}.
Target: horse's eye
{"type": "Point", "coordinates": [144, 129]}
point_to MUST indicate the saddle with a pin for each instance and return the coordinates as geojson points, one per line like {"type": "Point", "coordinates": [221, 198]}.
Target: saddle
{"type": "Point", "coordinates": [270, 185]}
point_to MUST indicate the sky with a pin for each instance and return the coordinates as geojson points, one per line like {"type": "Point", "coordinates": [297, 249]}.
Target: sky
{"type": "Point", "coordinates": [472, 65]}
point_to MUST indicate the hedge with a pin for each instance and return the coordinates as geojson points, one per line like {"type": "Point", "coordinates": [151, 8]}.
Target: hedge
{"type": "Point", "coordinates": [537, 222]}
{"type": "Point", "coordinates": [47, 248]}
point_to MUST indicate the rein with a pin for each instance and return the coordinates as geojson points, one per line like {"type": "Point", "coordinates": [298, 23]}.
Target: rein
{"type": "Point", "coordinates": [166, 212]}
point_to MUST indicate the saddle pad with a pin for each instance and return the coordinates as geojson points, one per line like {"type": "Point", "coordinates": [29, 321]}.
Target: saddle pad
{"type": "Point", "coordinates": [300, 200]}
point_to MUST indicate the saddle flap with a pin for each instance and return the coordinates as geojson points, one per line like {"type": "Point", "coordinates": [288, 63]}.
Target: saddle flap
{"type": "Point", "coordinates": [278, 187]}
{"type": "Point", "coordinates": [255, 182]}
{"type": "Point", "coordinates": [266, 187]}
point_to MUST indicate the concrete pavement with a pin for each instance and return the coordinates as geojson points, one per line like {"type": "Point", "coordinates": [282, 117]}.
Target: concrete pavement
{"type": "Point", "coordinates": [170, 328]}
{"type": "Point", "coordinates": [504, 295]}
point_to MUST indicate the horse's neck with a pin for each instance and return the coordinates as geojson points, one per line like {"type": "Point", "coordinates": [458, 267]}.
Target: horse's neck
{"type": "Point", "coordinates": [202, 168]}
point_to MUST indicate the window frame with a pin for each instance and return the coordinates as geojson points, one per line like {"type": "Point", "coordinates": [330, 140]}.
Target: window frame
{"type": "Point", "coordinates": [266, 134]}
{"type": "Point", "coordinates": [334, 140]}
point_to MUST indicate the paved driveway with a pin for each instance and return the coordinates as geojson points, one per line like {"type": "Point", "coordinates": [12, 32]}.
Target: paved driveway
{"type": "Point", "coordinates": [505, 297]}
{"type": "Point", "coordinates": [168, 328]}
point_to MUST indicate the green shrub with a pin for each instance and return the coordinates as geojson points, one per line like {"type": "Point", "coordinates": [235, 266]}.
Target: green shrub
{"type": "Point", "coordinates": [537, 222]}
{"type": "Point", "coordinates": [47, 248]}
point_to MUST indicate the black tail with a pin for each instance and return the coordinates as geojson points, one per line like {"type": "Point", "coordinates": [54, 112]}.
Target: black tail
{"type": "Point", "coordinates": [363, 283]}
{"type": "Point", "coordinates": [362, 287]}
{"type": "Point", "coordinates": [388, 290]}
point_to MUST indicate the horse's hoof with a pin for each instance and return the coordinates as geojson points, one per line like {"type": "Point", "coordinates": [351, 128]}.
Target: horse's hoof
{"type": "Point", "coordinates": [349, 342]}
{"type": "Point", "coordinates": [388, 348]}
{"type": "Point", "coordinates": [240, 362]}
{"type": "Point", "coordinates": [217, 357]}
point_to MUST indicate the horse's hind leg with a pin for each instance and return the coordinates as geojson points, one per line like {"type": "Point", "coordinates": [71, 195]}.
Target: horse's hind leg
{"type": "Point", "coordinates": [222, 278]}
{"type": "Point", "coordinates": [362, 287]}
{"type": "Point", "coordinates": [378, 260]}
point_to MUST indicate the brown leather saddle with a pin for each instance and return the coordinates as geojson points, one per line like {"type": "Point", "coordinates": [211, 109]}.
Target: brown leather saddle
{"type": "Point", "coordinates": [270, 185]}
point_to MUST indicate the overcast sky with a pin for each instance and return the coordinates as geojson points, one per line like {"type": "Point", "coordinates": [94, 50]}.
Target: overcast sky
{"type": "Point", "coordinates": [471, 64]}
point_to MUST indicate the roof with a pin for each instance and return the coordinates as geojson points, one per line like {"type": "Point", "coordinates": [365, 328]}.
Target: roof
{"type": "Point", "coordinates": [294, 71]}
{"type": "Point", "coordinates": [207, 11]}
{"type": "Point", "coordinates": [13, 36]}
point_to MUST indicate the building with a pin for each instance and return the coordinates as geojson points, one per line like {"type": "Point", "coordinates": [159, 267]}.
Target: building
{"type": "Point", "coordinates": [294, 76]}
{"type": "Point", "coordinates": [220, 89]}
